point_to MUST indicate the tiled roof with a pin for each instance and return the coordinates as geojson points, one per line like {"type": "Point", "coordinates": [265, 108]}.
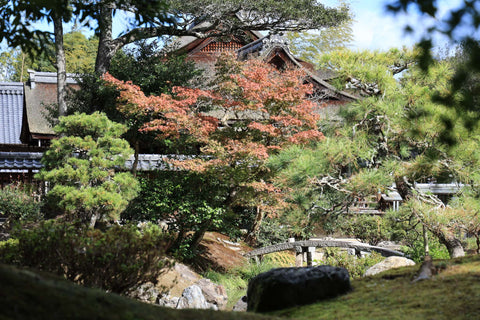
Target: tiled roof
{"type": "Point", "coordinates": [11, 111]}
{"type": "Point", "coordinates": [31, 160]}
{"type": "Point", "coordinates": [20, 160]}
{"type": "Point", "coordinates": [152, 162]}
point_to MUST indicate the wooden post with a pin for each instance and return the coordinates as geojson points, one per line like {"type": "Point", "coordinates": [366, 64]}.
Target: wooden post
{"type": "Point", "coordinates": [299, 257]}
{"type": "Point", "coordinates": [425, 242]}
{"type": "Point", "coordinates": [358, 253]}
{"type": "Point", "coordinates": [310, 253]}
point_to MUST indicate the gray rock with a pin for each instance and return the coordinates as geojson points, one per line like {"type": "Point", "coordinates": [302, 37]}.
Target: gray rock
{"type": "Point", "coordinates": [146, 292]}
{"type": "Point", "coordinates": [387, 264]}
{"type": "Point", "coordinates": [192, 298]}
{"type": "Point", "coordinates": [215, 294]}
{"type": "Point", "coordinates": [287, 287]}
{"type": "Point", "coordinates": [166, 301]}
{"type": "Point", "coordinates": [241, 305]}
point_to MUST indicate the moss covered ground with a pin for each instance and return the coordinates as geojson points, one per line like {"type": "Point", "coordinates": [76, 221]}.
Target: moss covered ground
{"type": "Point", "coordinates": [453, 293]}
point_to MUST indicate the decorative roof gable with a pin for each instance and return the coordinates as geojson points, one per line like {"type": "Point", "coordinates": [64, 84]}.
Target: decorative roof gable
{"type": "Point", "coordinates": [40, 93]}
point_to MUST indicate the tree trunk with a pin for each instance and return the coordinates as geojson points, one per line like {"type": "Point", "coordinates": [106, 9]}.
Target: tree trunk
{"type": "Point", "coordinates": [135, 159]}
{"type": "Point", "coordinates": [197, 238]}
{"type": "Point", "coordinates": [93, 220]}
{"type": "Point", "coordinates": [477, 236]}
{"type": "Point", "coordinates": [251, 238]}
{"type": "Point", "coordinates": [61, 69]}
{"type": "Point", "coordinates": [106, 48]}
{"type": "Point", "coordinates": [426, 249]}
{"type": "Point", "coordinates": [453, 244]}
{"type": "Point", "coordinates": [178, 240]}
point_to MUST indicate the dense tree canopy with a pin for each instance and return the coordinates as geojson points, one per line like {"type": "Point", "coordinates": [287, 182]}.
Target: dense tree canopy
{"type": "Point", "coordinates": [395, 136]}
{"type": "Point", "coordinates": [155, 73]}
{"type": "Point", "coordinates": [163, 18]}
{"type": "Point", "coordinates": [150, 19]}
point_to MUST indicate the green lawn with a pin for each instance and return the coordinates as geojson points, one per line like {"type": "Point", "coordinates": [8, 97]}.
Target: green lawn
{"type": "Point", "coordinates": [454, 293]}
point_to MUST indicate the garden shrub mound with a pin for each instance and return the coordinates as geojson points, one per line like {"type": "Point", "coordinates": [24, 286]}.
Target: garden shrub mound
{"type": "Point", "coordinates": [115, 260]}
{"type": "Point", "coordinates": [287, 287]}
{"type": "Point", "coordinates": [29, 295]}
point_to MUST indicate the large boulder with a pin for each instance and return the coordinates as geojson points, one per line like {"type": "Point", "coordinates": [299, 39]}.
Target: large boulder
{"type": "Point", "coordinates": [192, 298]}
{"type": "Point", "coordinates": [215, 294]}
{"type": "Point", "coordinates": [387, 264]}
{"type": "Point", "coordinates": [176, 279]}
{"type": "Point", "coordinates": [287, 287]}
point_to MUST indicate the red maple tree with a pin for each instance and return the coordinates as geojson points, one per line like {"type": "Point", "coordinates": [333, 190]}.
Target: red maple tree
{"type": "Point", "coordinates": [252, 111]}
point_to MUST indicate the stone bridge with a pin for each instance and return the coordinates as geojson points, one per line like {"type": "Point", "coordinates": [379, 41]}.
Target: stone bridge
{"type": "Point", "coordinates": [308, 247]}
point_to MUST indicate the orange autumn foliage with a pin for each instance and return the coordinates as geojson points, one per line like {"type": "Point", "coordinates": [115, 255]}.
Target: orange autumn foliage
{"type": "Point", "coordinates": [272, 113]}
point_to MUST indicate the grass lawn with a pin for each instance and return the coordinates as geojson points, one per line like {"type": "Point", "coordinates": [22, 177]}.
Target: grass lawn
{"type": "Point", "coordinates": [454, 293]}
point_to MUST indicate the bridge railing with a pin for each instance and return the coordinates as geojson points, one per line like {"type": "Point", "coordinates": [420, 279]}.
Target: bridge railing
{"type": "Point", "coordinates": [308, 247]}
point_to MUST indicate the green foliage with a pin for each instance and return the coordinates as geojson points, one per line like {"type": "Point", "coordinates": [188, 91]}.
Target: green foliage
{"type": "Point", "coordinates": [146, 67]}
{"type": "Point", "coordinates": [399, 133]}
{"type": "Point", "coordinates": [177, 196]}
{"type": "Point", "coordinates": [17, 203]}
{"type": "Point", "coordinates": [7, 58]}
{"type": "Point", "coordinates": [369, 67]}
{"type": "Point", "coordinates": [416, 251]}
{"type": "Point", "coordinates": [236, 280]}
{"type": "Point", "coordinates": [187, 201]}
{"type": "Point", "coordinates": [368, 228]}
{"type": "Point", "coordinates": [151, 70]}
{"type": "Point", "coordinates": [309, 46]}
{"type": "Point", "coordinates": [272, 232]}
{"type": "Point", "coordinates": [79, 54]}
{"type": "Point", "coordinates": [356, 266]}
{"type": "Point", "coordinates": [9, 250]}
{"type": "Point", "coordinates": [115, 260]}
{"type": "Point", "coordinates": [464, 17]}
{"type": "Point", "coordinates": [81, 165]}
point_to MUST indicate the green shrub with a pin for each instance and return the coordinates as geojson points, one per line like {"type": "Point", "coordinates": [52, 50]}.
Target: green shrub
{"type": "Point", "coordinates": [9, 250]}
{"type": "Point", "coordinates": [368, 228]}
{"type": "Point", "coordinates": [356, 266]}
{"type": "Point", "coordinates": [82, 168]}
{"type": "Point", "coordinates": [416, 250]}
{"type": "Point", "coordinates": [273, 232]}
{"type": "Point", "coordinates": [114, 260]}
{"type": "Point", "coordinates": [236, 280]}
{"type": "Point", "coordinates": [18, 204]}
